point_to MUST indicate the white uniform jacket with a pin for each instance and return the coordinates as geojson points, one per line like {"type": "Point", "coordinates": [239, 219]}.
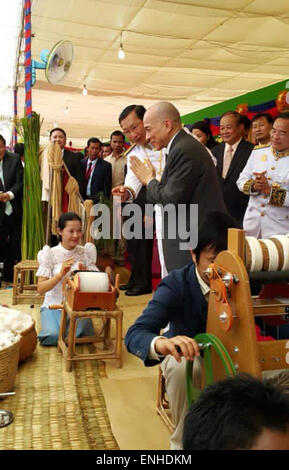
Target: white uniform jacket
{"type": "Point", "coordinates": [134, 185]}
{"type": "Point", "coordinates": [266, 215]}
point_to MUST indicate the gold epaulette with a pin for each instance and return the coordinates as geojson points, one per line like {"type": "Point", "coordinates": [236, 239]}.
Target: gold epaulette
{"type": "Point", "coordinates": [261, 146]}
{"type": "Point", "coordinates": [129, 149]}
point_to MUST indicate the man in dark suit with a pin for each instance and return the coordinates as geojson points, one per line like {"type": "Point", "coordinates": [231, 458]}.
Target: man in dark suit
{"type": "Point", "coordinates": [11, 188]}
{"type": "Point", "coordinates": [180, 301]}
{"type": "Point", "coordinates": [71, 159]}
{"type": "Point", "coordinates": [97, 171]}
{"type": "Point", "coordinates": [232, 155]}
{"type": "Point", "coordinates": [189, 178]}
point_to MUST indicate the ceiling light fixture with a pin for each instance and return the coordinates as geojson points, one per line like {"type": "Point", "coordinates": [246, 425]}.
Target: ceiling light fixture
{"type": "Point", "coordinates": [84, 90]}
{"type": "Point", "coordinates": [66, 110]}
{"type": "Point", "coordinates": [121, 53]}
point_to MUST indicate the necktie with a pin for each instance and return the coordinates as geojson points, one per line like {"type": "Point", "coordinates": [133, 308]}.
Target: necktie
{"type": "Point", "coordinates": [8, 205]}
{"type": "Point", "coordinates": [227, 161]}
{"type": "Point", "coordinates": [88, 171]}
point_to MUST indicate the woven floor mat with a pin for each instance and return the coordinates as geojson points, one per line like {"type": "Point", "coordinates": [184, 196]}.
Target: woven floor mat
{"type": "Point", "coordinates": [55, 409]}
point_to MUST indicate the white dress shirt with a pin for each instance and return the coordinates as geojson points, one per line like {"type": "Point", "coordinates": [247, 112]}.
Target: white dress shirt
{"type": "Point", "coordinates": [50, 262]}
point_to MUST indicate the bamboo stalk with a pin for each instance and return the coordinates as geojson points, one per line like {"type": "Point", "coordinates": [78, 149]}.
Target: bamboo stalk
{"type": "Point", "coordinates": [32, 227]}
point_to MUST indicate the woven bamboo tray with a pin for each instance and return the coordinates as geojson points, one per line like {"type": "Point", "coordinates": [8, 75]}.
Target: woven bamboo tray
{"type": "Point", "coordinates": [28, 342]}
{"type": "Point", "coordinates": [9, 358]}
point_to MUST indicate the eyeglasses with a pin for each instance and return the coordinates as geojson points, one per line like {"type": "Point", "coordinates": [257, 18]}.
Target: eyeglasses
{"type": "Point", "coordinates": [132, 128]}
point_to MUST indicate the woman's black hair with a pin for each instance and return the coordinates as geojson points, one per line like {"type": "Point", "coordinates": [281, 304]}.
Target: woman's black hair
{"type": "Point", "coordinates": [205, 127]}
{"type": "Point", "coordinates": [213, 232]}
{"type": "Point", "coordinates": [64, 218]}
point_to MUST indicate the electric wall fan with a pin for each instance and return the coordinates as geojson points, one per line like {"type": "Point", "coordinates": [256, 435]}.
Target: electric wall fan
{"type": "Point", "coordinates": [55, 62]}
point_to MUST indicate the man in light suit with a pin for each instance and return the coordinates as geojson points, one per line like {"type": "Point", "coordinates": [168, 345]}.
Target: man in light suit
{"type": "Point", "coordinates": [189, 177]}
{"type": "Point", "coordinates": [11, 188]}
{"type": "Point", "coordinates": [232, 155]}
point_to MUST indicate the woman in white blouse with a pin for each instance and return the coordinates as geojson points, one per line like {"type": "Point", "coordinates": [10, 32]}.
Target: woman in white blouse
{"type": "Point", "coordinates": [54, 264]}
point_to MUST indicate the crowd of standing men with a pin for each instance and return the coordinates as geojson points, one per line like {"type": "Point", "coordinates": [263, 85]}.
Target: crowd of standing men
{"type": "Point", "coordinates": [251, 181]}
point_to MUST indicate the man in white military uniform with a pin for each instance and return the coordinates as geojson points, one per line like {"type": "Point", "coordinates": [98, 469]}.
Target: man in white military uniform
{"type": "Point", "coordinates": [266, 179]}
{"type": "Point", "coordinates": [131, 121]}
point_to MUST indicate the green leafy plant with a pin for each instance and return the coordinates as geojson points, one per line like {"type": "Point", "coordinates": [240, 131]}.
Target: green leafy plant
{"type": "Point", "coordinates": [33, 237]}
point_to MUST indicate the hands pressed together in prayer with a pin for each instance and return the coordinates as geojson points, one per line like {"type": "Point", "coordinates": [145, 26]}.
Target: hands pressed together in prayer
{"type": "Point", "coordinates": [178, 346]}
{"type": "Point", "coordinates": [144, 171]}
{"type": "Point", "coordinates": [261, 183]}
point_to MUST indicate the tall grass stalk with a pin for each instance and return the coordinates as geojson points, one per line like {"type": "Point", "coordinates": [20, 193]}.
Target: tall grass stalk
{"type": "Point", "coordinates": [33, 237]}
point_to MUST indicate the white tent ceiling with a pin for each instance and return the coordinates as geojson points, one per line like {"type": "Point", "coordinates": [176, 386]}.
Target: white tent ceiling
{"type": "Point", "coordinates": [194, 53]}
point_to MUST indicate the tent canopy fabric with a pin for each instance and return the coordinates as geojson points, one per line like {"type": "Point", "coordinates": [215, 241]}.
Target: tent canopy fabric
{"type": "Point", "coordinates": [192, 53]}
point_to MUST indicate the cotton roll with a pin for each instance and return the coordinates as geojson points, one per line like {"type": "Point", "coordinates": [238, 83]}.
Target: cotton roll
{"type": "Point", "coordinates": [284, 240]}
{"type": "Point", "coordinates": [93, 282]}
{"type": "Point", "coordinates": [256, 254]}
{"type": "Point", "coordinates": [273, 255]}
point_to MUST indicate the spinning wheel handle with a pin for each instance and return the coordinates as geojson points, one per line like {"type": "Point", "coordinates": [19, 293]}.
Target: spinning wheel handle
{"type": "Point", "coordinates": [209, 341]}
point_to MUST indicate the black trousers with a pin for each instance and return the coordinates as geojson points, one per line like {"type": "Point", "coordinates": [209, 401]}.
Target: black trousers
{"type": "Point", "coordinates": [10, 244]}
{"type": "Point", "coordinates": [140, 253]}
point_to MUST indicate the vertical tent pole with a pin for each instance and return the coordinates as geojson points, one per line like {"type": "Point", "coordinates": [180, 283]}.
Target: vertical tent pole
{"type": "Point", "coordinates": [28, 61]}
{"type": "Point", "coordinates": [14, 137]}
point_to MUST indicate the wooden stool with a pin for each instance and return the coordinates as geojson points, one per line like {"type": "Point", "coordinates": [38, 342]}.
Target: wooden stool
{"type": "Point", "coordinates": [25, 269]}
{"type": "Point", "coordinates": [162, 402]}
{"type": "Point", "coordinates": [67, 346]}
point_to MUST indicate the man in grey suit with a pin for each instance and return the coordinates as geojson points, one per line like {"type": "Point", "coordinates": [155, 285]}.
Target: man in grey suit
{"type": "Point", "coordinates": [189, 178]}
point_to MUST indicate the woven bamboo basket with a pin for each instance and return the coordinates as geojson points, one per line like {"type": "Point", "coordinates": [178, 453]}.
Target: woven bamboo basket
{"type": "Point", "coordinates": [28, 342]}
{"type": "Point", "coordinates": [9, 358]}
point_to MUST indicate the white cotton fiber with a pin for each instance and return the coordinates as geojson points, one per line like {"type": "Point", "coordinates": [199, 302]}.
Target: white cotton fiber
{"type": "Point", "coordinates": [14, 320]}
{"type": "Point", "coordinates": [7, 338]}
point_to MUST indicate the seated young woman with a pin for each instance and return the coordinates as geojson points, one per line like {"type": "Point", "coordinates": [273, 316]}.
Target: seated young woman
{"type": "Point", "coordinates": [54, 264]}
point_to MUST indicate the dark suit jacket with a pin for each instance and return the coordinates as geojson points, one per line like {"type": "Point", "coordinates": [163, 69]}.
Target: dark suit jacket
{"type": "Point", "coordinates": [101, 178]}
{"type": "Point", "coordinates": [179, 302]}
{"type": "Point", "coordinates": [13, 181]}
{"type": "Point", "coordinates": [235, 201]}
{"type": "Point", "coordinates": [189, 178]}
{"type": "Point", "coordinates": [73, 163]}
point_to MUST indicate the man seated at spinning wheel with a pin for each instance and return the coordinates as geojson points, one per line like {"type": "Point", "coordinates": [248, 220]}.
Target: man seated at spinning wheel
{"type": "Point", "coordinates": [181, 300]}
